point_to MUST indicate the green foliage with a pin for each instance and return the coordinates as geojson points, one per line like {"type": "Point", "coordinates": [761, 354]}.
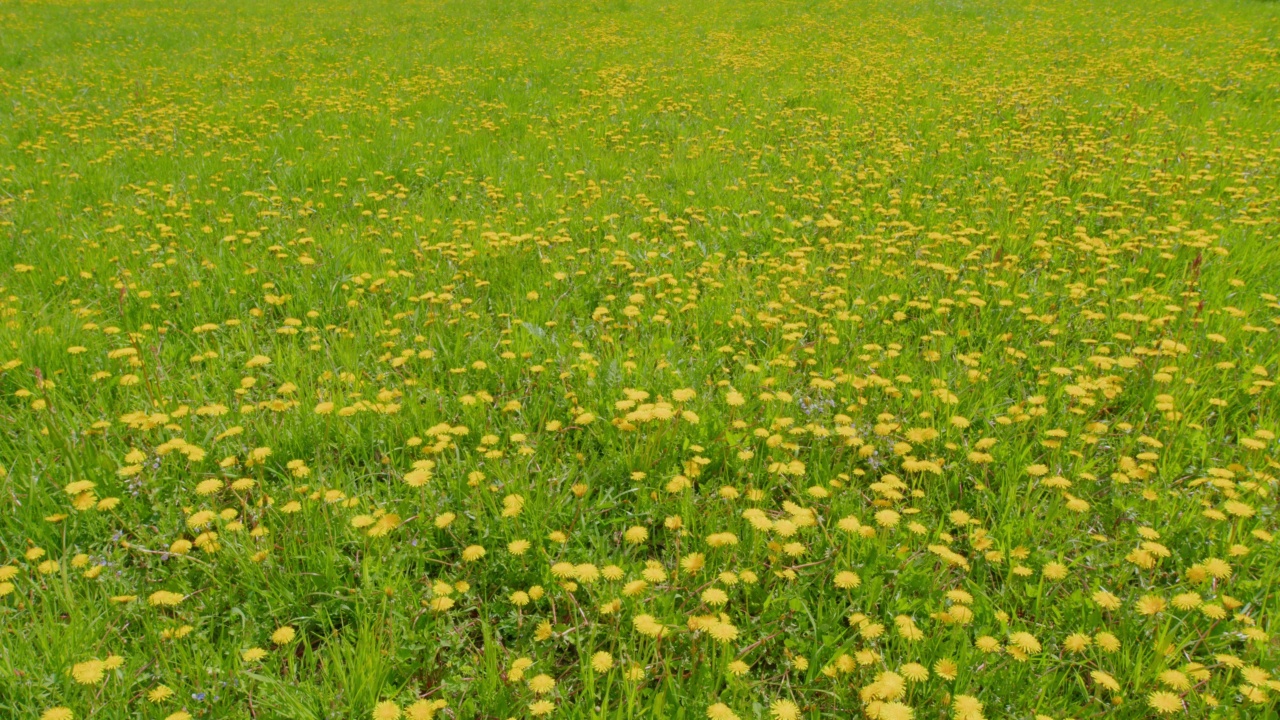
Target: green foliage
{"type": "Point", "coordinates": [638, 359]}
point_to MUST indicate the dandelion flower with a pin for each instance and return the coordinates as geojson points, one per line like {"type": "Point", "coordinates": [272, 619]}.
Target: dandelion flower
{"type": "Point", "coordinates": [1077, 642]}
{"type": "Point", "coordinates": [987, 644]}
{"type": "Point", "coordinates": [1164, 702]}
{"type": "Point", "coordinates": [723, 632]}
{"type": "Point", "coordinates": [720, 711]}
{"type": "Point", "coordinates": [967, 707]}
{"type": "Point", "coordinates": [602, 662]}
{"type": "Point", "coordinates": [1106, 600]}
{"type": "Point", "coordinates": [714, 597]}
{"type": "Point", "coordinates": [424, 709]}
{"type": "Point", "coordinates": [784, 710]}
{"type": "Point", "coordinates": [846, 580]}
{"type": "Point", "coordinates": [896, 711]}
{"type": "Point", "coordinates": [946, 669]}
{"type": "Point", "coordinates": [1108, 642]}
{"type": "Point", "coordinates": [915, 672]}
{"type": "Point", "coordinates": [887, 518]}
{"type": "Point", "coordinates": [164, 598]}
{"type": "Point", "coordinates": [1025, 642]}
{"type": "Point", "coordinates": [542, 684]}
{"type": "Point", "coordinates": [89, 672]}
{"type": "Point", "coordinates": [283, 635]}
{"type": "Point", "coordinates": [1106, 680]}
{"type": "Point", "coordinates": [1175, 680]}
{"type": "Point", "coordinates": [1150, 605]}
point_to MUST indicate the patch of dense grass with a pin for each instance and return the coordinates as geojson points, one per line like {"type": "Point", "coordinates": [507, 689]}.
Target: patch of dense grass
{"type": "Point", "coordinates": [633, 359]}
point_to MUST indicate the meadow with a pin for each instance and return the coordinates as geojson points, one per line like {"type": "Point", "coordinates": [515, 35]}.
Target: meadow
{"type": "Point", "coordinates": [639, 359]}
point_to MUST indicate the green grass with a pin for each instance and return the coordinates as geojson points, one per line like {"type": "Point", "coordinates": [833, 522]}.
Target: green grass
{"type": "Point", "coordinates": [975, 300]}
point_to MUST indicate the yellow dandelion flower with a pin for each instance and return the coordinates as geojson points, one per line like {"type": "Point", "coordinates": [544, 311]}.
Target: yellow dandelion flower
{"type": "Point", "coordinates": [89, 672]}
{"type": "Point", "coordinates": [946, 669]}
{"type": "Point", "coordinates": [1105, 679]}
{"type": "Point", "coordinates": [164, 598]}
{"type": "Point", "coordinates": [283, 635]}
{"type": "Point", "coordinates": [1164, 703]}
{"type": "Point", "coordinates": [966, 707]}
{"type": "Point", "coordinates": [1150, 605]}
{"type": "Point", "coordinates": [847, 579]}
{"type": "Point", "coordinates": [714, 597]}
{"type": "Point", "coordinates": [784, 710]}
{"type": "Point", "coordinates": [542, 684]}
{"type": "Point", "coordinates": [720, 711]}
{"type": "Point", "coordinates": [601, 662]}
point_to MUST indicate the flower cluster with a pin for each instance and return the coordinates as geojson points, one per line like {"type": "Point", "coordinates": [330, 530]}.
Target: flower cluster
{"type": "Point", "coordinates": [416, 361]}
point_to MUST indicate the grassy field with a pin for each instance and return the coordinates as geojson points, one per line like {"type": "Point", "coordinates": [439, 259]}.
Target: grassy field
{"type": "Point", "coordinates": [636, 359]}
